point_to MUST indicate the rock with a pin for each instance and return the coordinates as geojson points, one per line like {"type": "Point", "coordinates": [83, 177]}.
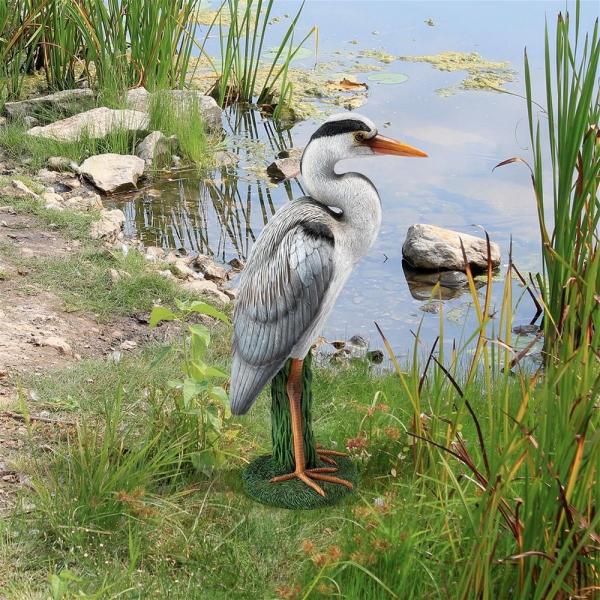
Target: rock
{"type": "Point", "coordinates": [61, 164]}
{"type": "Point", "coordinates": [375, 356]}
{"type": "Point", "coordinates": [52, 201]}
{"type": "Point", "coordinates": [431, 247]}
{"type": "Point", "coordinates": [138, 99]}
{"type": "Point", "coordinates": [96, 123]}
{"type": "Point", "coordinates": [108, 227]}
{"type": "Point", "coordinates": [283, 168]}
{"type": "Point", "coordinates": [166, 273]}
{"type": "Point", "coordinates": [295, 153]}
{"type": "Point", "coordinates": [30, 122]}
{"type": "Point", "coordinates": [65, 100]}
{"type": "Point", "coordinates": [209, 268]}
{"type": "Point", "coordinates": [3, 121]}
{"type": "Point", "coordinates": [358, 341]}
{"type": "Point", "coordinates": [55, 342]}
{"type": "Point", "coordinates": [183, 270]}
{"type": "Point", "coordinates": [231, 292]}
{"type": "Point", "coordinates": [154, 253]}
{"type": "Point", "coordinates": [118, 274]}
{"type": "Point", "coordinates": [128, 345]}
{"type": "Point", "coordinates": [208, 289]}
{"type": "Point", "coordinates": [83, 203]}
{"type": "Point", "coordinates": [182, 100]}
{"type": "Point", "coordinates": [224, 158]}
{"type": "Point", "coordinates": [154, 147]}
{"type": "Point", "coordinates": [113, 172]}
{"type": "Point", "coordinates": [237, 264]}
{"type": "Point", "coordinates": [20, 190]}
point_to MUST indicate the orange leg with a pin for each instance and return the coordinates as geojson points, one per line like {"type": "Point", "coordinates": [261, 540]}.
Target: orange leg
{"type": "Point", "coordinates": [294, 392]}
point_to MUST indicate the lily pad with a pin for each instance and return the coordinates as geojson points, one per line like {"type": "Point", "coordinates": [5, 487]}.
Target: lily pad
{"type": "Point", "coordinates": [302, 52]}
{"type": "Point", "coordinates": [388, 77]}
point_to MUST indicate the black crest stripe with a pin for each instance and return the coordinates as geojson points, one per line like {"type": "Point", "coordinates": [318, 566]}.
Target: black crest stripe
{"type": "Point", "coordinates": [338, 127]}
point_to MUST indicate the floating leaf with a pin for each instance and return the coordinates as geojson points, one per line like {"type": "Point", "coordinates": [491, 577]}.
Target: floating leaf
{"type": "Point", "coordinates": [301, 53]}
{"type": "Point", "coordinates": [346, 84]}
{"type": "Point", "coordinates": [388, 77]}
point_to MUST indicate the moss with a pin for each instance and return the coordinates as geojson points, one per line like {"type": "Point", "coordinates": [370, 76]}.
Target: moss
{"type": "Point", "coordinates": [482, 74]}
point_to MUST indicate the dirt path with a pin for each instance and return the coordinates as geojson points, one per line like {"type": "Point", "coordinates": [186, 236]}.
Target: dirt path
{"type": "Point", "coordinates": [37, 334]}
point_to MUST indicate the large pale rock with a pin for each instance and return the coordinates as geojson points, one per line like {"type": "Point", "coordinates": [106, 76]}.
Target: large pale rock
{"type": "Point", "coordinates": [208, 289]}
{"type": "Point", "coordinates": [65, 100]}
{"type": "Point", "coordinates": [109, 226]}
{"type": "Point", "coordinates": [112, 172]}
{"type": "Point", "coordinates": [181, 101]}
{"type": "Point", "coordinates": [96, 123]}
{"type": "Point", "coordinates": [436, 248]}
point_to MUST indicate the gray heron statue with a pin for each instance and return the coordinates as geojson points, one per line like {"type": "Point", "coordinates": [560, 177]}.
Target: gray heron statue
{"type": "Point", "coordinates": [297, 269]}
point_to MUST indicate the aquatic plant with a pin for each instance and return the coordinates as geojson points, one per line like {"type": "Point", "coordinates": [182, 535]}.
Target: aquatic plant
{"type": "Point", "coordinates": [242, 50]}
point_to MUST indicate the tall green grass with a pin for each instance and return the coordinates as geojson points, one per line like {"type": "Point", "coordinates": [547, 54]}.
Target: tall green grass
{"type": "Point", "coordinates": [571, 279]}
{"type": "Point", "coordinates": [242, 51]}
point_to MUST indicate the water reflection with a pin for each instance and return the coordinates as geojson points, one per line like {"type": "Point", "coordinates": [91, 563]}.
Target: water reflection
{"type": "Point", "coordinates": [221, 214]}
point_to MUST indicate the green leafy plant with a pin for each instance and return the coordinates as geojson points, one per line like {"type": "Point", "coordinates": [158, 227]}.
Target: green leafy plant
{"type": "Point", "coordinates": [201, 406]}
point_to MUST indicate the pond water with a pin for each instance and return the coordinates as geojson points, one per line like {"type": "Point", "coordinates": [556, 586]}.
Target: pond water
{"type": "Point", "coordinates": [465, 132]}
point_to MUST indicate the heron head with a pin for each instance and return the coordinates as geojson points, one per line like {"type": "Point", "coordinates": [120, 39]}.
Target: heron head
{"type": "Point", "coordinates": [349, 135]}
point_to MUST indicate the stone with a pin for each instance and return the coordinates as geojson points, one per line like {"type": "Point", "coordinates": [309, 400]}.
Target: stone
{"type": "Point", "coordinates": [52, 201]}
{"type": "Point", "coordinates": [113, 172]}
{"type": "Point", "coordinates": [138, 99]}
{"type": "Point", "coordinates": [109, 226]}
{"type": "Point", "coordinates": [208, 289]}
{"type": "Point", "coordinates": [61, 164]}
{"type": "Point", "coordinates": [55, 342]}
{"type": "Point", "coordinates": [209, 268]}
{"type": "Point", "coordinates": [183, 270]}
{"type": "Point", "coordinates": [182, 100]}
{"type": "Point", "coordinates": [128, 345]}
{"type": "Point", "coordinates": [231, 292]}
{"type": "Point", "coordinates": [436, 248]}
{"type": "Point", "coordinates": [237, 264]}
{"type": "Point", "coordinates": [154, 147]}
{"type": "Point", "coordinates": [21, 190]}
{"type": "Point", "coordinates": [96, 123]}
{"type": "Point", "coordinates": [62, 101]}
{"type": "Point", "coordinates": [83, 203]}
{"type": "Point", "coordinates": [375, 356]}
{"type": "Point", "coordinates": [283, 168]}
{"type": "Point", "coordinates": [3, 121]}
{"type": "Point", "coordinates": [295, 153]}
{"type": "Point", "coordinates": [30, 122]}
{"type": "Point", "coordinates": [154, 253]}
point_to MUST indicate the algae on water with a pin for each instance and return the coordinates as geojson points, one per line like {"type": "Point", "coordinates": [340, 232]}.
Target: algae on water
{"type": "Point", "coordinates": [483, 74]}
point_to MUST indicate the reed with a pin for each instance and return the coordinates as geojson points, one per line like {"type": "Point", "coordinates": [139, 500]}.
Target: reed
{"type": "Point", "coordinates": [244, 75]}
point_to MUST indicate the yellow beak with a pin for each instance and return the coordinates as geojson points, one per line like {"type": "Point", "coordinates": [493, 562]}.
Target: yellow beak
{"type": "Point", "coordinates": [384, 145]}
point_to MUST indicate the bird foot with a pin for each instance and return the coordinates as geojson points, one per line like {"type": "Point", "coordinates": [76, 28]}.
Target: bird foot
{"type": "Point", "coordinates": [308, 475]}
{"type": "Point", "coordinates": [325, 455]}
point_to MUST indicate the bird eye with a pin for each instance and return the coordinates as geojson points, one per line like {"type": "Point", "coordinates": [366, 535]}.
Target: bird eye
{"type": "Point", "coordinates": [360, 136]}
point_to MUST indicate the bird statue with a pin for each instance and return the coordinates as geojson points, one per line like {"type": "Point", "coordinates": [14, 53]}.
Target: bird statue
{"type": "Point", "coordinates": [294, 274]}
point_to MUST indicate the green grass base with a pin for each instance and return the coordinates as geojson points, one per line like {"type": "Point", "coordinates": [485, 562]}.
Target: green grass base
{"type": "Point", "coordinates": [294, 494]}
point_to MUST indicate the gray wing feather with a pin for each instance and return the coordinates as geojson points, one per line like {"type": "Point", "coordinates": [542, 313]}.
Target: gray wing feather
{"type": "Point", "coordinates": [281, 291]}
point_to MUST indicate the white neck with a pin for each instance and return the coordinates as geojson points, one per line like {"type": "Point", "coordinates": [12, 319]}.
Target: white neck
{"type": "Point", "coordinates": [352, 193]}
